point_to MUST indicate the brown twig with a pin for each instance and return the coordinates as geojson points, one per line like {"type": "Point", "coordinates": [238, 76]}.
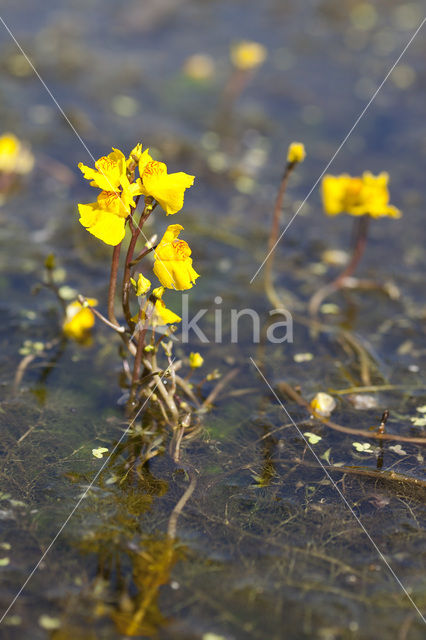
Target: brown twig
{"type": "Point", "coordinates": [218, 388]}
{"type": "Point", "coordinates": [142, 255]}
{"type": "Point", "coordinates": [171, 529]}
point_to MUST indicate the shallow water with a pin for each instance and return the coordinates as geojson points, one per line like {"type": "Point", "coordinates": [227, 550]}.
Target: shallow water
{"type": "Point", "coordinates": [267, 547]}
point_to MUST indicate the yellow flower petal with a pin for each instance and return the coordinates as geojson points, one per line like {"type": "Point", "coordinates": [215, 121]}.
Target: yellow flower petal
{"type": "Point", "coordinates": [163, 315]}
{"type": "Point", "coordinates": [173, 265]}
{"type": "Point", "coordinates": [108, 172]}
{"type": "Point", "coordinates": [101, 223]}
{"type": "Point", "coordinates": [144, 159]}
{"type": "Point", "coordinates": [167, 189]}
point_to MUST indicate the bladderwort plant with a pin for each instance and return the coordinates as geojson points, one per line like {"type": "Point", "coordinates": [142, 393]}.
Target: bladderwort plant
{"type": "Point", "coordinates": [147, 324]}
{"type": "Point", "coordinates": [130, 189]}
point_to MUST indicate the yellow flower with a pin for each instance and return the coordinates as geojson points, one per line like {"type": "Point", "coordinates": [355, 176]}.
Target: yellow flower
{"type": "Point", "coordinates": [358, 196]}
{"type": "Point", "coordinates": [173, 265]}
{"type": "Point", "coordinates": [195, 360]}
{"type": "Point", "coordinates": [106, 217]}
{"type": "Point", "coordinates": [248, 55]}
{"type": "Point", "coordinates": [142, 285]}
{"type": "Point", "coordinates": [79, 320]}
{"type": "Point", "coordinates": [296, 153]}
{"type": "Point", "coordinates": [110, 175]}
{"type": "Point", "coordinates": [167, 188]}
{"type": "Point", "coordinates": [15, 157]}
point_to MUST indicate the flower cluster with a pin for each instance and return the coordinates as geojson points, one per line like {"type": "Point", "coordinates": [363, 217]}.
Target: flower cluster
{"type": "Point", "coordinates": [116, 176]}
{"type": "Point", "coordinates": [122, 181]}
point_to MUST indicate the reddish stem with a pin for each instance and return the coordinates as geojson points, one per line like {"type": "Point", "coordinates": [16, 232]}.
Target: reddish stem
{"type": "Point", "coordinates": [113, 283]}
{"type": "Point", "coordinates": [273, 234]}
{"type": "Point", "coordinates": [136, 230]}
{"type": "Point", "coordinates": [361, 228]}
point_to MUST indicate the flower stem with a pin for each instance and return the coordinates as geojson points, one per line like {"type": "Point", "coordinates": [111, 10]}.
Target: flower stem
{"type": "Point", "coordinates": [142, 255]}
{"type": "Point", "coordinates": [139, 350]}
{"type": "Point", "coordinates": [361, 225]}
{"type": "Point", "coordinates": [113, 284]}
{"type": "Point", "coordinates": [136, 230]}
{"type": "Point", "coordinates": [273, 234]}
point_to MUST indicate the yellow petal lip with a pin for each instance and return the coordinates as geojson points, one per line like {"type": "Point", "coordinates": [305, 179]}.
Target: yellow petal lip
{"type": "Point", "coordinates": [360, 195]}
{"type": "Point", "coordinates": [109, 173]}
{"type": "Point", "coordinates": [101, 223]}
{"type": "Point", "coordinates": [167, 189]}
{"type": "Point", "coordinates": [163, 315]}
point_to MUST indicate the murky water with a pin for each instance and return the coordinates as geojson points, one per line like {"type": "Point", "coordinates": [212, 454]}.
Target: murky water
{"type": "Point", "coordinates": [267, 546]}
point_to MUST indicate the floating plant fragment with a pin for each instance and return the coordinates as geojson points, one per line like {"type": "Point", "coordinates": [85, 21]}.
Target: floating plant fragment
{"type": "Point", "coordinates": [312, 438]}
{"type": "Point", "coordinates": [396, 448]}
{"type": "Point", "coordinates": [99, 453]}
{"type": "Point", "coordinates": [363, 447]}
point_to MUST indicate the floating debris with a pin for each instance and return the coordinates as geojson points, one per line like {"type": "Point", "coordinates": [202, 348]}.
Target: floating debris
{"type": "Point", "coordinates": [323, 404]}
{"type": "Point", "coordinates": [99, 453]}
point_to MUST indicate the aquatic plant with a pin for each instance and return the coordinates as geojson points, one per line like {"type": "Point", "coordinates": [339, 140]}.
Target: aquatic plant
{"type": "Point", "coordinates": [364, 197]}
{"type": "Point", "coordinates": [123, 181]}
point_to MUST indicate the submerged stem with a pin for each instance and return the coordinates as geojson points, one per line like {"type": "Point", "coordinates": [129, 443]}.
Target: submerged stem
{"type": "Point", "coordinates": [273, 234]}
{"type": "Point", "coordinates": [139, 350]}
{"type": "Point", "coordinates": [361, 229]}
